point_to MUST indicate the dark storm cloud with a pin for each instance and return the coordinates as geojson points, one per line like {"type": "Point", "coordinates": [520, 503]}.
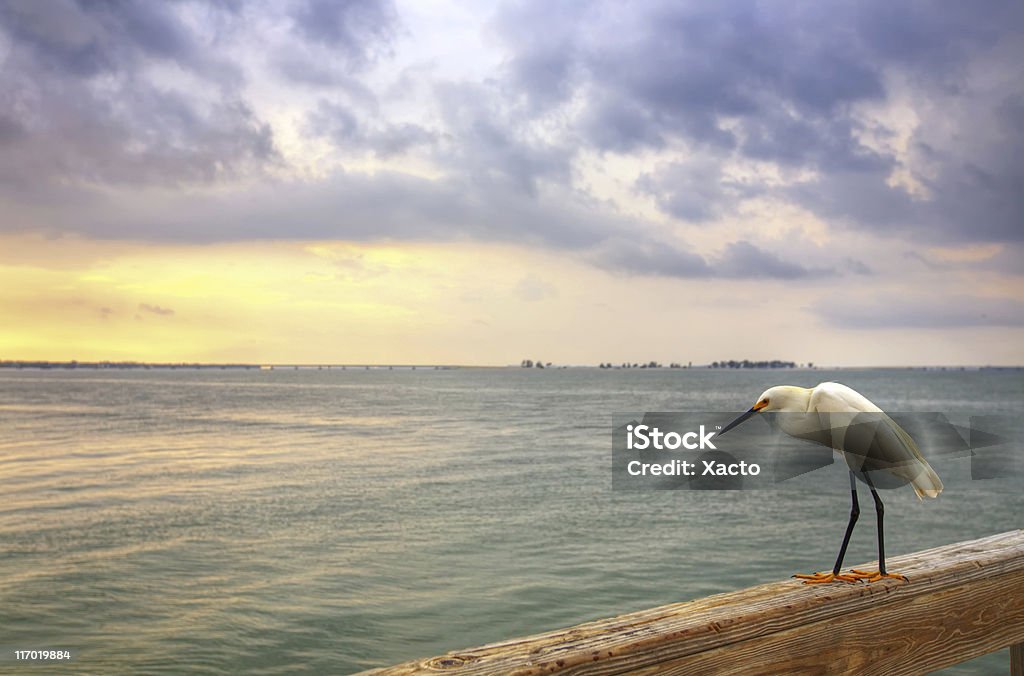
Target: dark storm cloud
{"type": "Point", "coordinates": [391, 205]}
{"type": "Point", "coordinates": [779, 82]}
{"type": "Point", "coordinates": [743, 259]}
{"type": "Point", "coordinates": [983, 199]}
{"type": "Point", "coordinates": [650, 258]}
{"type": "Point", "coordinates": [827, 143]}
{"type": "Point", "coordinates": [935, 39]}
{"type": "Point", "coordinates": [860, 198]}
{"type": "Point", "coordinates": [492, 148]}
{"type": "Point", "coordinates": [75, 89]}
{"type": "Point", "coordinates": [358, 30]}
{"type": "Point", "coordinates": [87, 39]}
{"type": "Point", "coordinates": [302, 68]}
{"type": "Point", "coordinates": [968, 199]}
{"type": "Point", "coordinates": [696, 190]}
{"type": "Point", "coordinates": [739, 260]}
{"type": "Point", "coordinates": [351, 132]}
{"type": "Point", "coordinates": [785, 71]}
{"type": "Point", "coordinates": [335, 42]}
{"type": "Point", "coordinates": [542, 36]}
{"type": "Point", "coordinates": [927, 312]}
{"type": "Point", "coordinates": [351, 206]}
{"type": "Point", "coordinates": [85, 123]}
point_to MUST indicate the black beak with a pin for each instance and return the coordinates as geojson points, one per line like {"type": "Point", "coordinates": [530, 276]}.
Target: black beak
{"type": "Point", "coordinates": [737, 421]}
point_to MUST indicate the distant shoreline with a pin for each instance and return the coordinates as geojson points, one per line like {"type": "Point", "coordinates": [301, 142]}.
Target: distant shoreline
{"type": "Point", "coordinates": [131, 365]}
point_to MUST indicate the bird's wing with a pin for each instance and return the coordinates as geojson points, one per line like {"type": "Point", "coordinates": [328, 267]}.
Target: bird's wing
{"type": "Point", "coordinates": [917, 471]}
{"type": "Point", "coordinates": [902, 456]}
{"type": "Point", "coordinates": [838, 398]}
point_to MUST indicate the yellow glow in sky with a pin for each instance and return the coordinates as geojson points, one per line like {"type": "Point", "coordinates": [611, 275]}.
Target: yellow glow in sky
{"type": "Point", "coordinates": [331, 302]}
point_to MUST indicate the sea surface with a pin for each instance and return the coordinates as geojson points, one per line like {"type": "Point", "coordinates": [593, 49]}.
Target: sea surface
{"type": "Point", "coordinates": [329, 521]}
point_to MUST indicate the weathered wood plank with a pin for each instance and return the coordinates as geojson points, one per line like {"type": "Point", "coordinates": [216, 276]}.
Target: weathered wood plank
{"type": "Point", "coordinates": [1017, 659]}
{"type": "Point", "coordinates": [963, 600]}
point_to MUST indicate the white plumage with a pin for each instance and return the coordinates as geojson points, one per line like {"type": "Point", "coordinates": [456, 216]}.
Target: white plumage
{"type": "Point", "coordinates": [876, 449]}
{"type": "Point", "coordinates": [834, 406]}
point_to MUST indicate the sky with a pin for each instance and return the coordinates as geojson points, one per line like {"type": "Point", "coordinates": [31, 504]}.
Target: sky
{"type": "Point", "coordinates": [382, 181]}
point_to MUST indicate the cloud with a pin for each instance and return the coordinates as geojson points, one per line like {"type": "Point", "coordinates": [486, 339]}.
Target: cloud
{"type": "Point", "coordinates": [1005, 259]}
{"type": "Point", "coordinates": [696, 190]}
{"type": "Point", "coordinates": [744, 260]}
{"type": "Point", "coordinates": [351, 132]}
{"type": "Point", "coordinates": [939, 311]}
{"type": "Point", "coordinates": [493, 146]}
{"type": "Point", "coordinates": [857, 267]}
{"type": "Point", "coordinates": [333, 44]}
{"type": "Point", "coordinates": [357, 30]}
{"type": "Point", "coordinates": [650, 258]}
{"type": "Point", "coordinates": [144, 123]}
{"type": "Point", "coordinates": [81, 103]}
{"type": "Point", "coordinates": [739, 260]}
{"type": "Point", "coordinates": [89, 39]}
{"type": "Point", "coordinates": [300, 67]}
{"type": "Point", "coordinates": [783, 71]}
{"type": "Point", "coordinates": [542, 66]}
{"type": "Point", "coordinates": [790, 84]}
{"type": "Point", "coordinates": [156, 309]}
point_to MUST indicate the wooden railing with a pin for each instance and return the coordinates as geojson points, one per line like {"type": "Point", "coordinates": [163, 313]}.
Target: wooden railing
{"type": "Point", "coordinates": [961, 601]}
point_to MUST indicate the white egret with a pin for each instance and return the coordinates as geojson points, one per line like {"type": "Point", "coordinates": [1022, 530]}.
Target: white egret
{"type": "Point", "coordinates": [877, 450]}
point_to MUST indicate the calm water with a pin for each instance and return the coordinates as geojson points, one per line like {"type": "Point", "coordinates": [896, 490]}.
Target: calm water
{"type": "Point", "coordinates": [332, 521]}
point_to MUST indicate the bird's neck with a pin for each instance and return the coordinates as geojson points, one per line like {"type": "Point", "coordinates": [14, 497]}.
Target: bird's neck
{"type": "Point", "coordinates": [801, 398]}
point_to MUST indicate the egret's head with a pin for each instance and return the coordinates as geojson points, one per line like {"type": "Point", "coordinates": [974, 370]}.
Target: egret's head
{"type": "Point", "coordinates": [778, 398]}
{"type": "Point", "coordinates": [782, 398]}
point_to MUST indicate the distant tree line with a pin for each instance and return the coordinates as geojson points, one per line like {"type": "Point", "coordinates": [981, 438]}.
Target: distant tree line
{"type": "Point", "coordinates": [747, 364]}
{"type": "Point", "coordinates": [648, 365]}
{"type": "Point", "coordinates": [730, 364]}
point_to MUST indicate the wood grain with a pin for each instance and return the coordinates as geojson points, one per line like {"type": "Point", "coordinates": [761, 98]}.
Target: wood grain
{"type": "Point", "coordinates": [963, 600]}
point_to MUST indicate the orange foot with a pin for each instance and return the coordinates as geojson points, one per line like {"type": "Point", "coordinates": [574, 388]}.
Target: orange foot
{"type": "Point", "coordinates": [822, 578]}
{"type": "Point", "coordinates": [869, 576]}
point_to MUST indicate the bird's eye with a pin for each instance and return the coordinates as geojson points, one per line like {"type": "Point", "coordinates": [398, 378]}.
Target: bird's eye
{"type": "Point", "coordinates": [766, 400]}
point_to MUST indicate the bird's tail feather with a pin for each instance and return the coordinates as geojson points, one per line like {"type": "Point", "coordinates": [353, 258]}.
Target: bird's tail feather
{"type": "Point", "coordinates": [927, 483]}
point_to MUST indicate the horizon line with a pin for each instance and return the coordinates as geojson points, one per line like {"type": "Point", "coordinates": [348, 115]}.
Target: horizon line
{"type": "Point", "coordinates": [71, 364]}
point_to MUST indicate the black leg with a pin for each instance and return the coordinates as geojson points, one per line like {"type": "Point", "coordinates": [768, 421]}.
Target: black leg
{"type": "Point", "coordinates": [879, 511]}
{"type": "Point", "coordinates": [854, 513]}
